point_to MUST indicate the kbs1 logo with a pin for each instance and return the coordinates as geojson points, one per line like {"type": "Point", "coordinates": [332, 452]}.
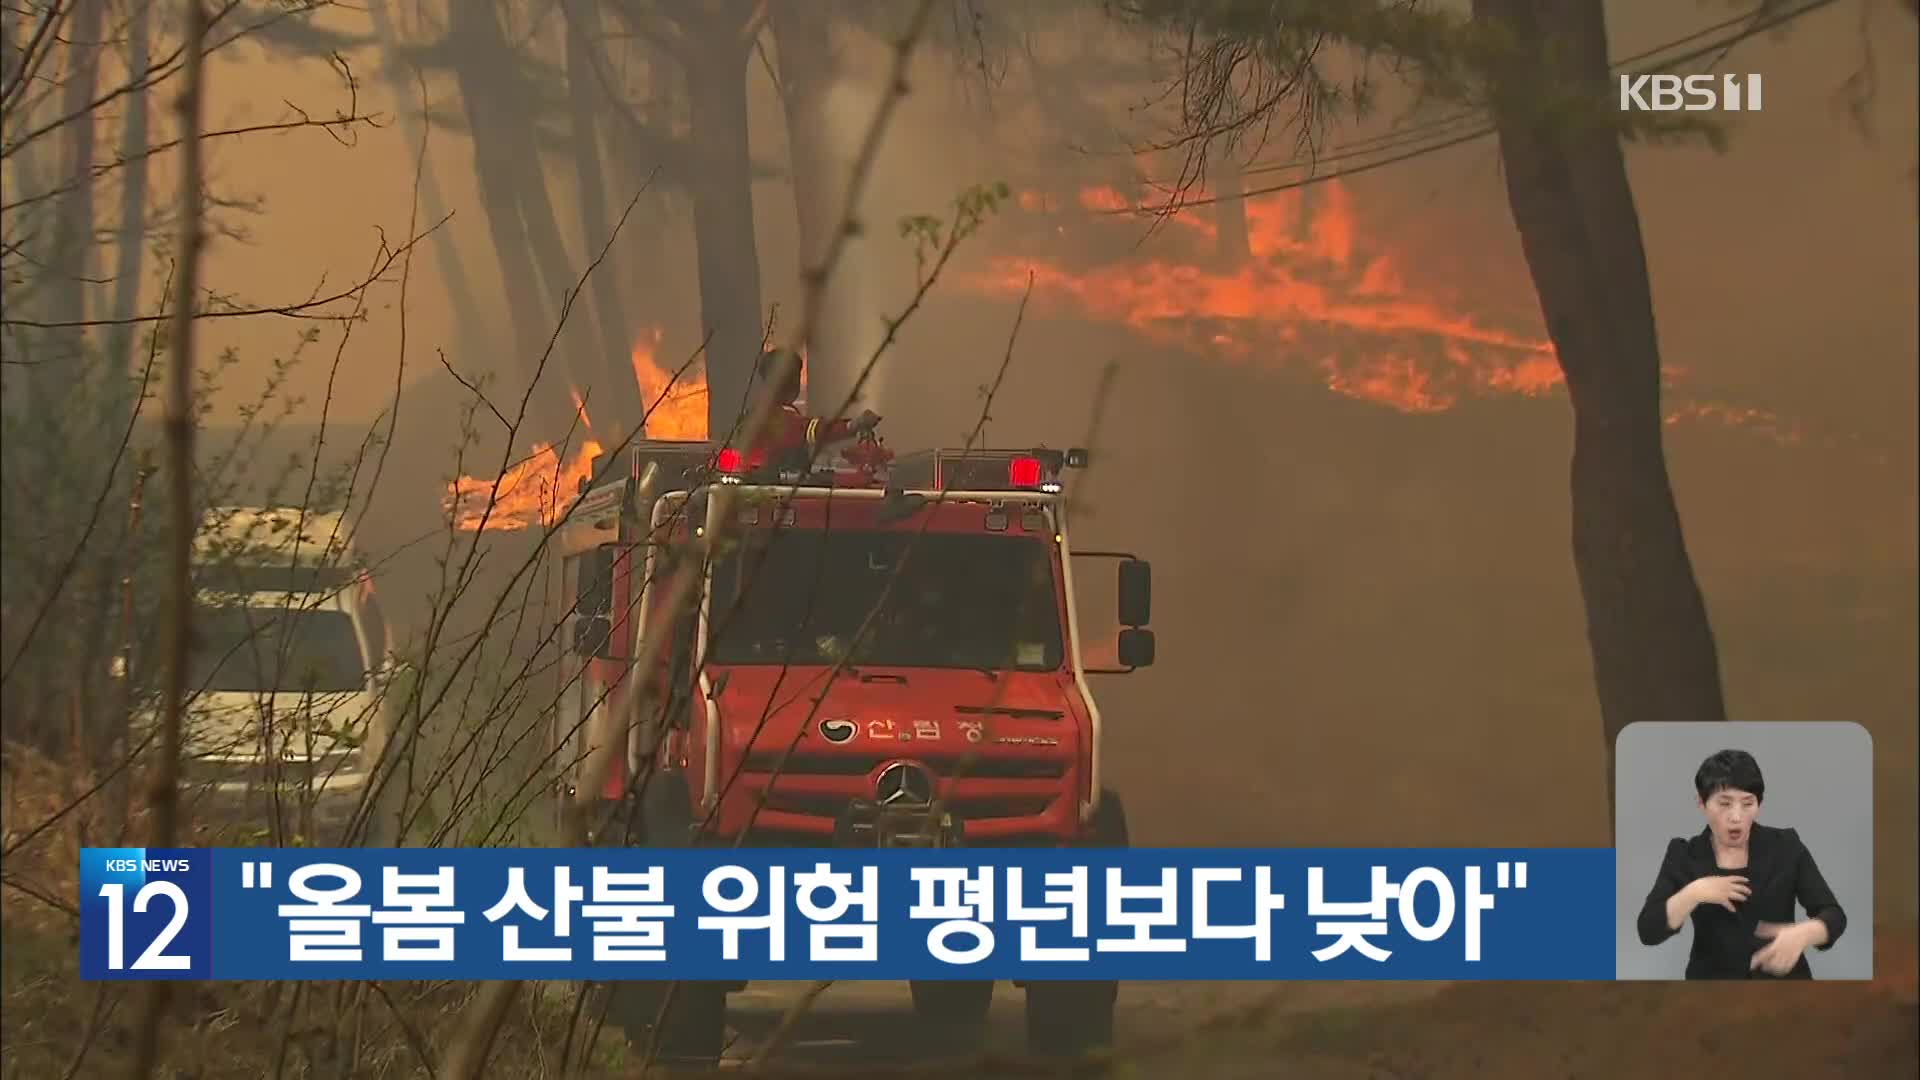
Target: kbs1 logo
{"type": "Point", "coordinates": [1689, 93]}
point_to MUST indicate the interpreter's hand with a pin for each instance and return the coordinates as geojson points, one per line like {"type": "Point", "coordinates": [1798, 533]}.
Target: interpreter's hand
{"type": "Point", "coordinates": [1724, 890]}
{"type": "Point", "coordinates": [1785, 944]}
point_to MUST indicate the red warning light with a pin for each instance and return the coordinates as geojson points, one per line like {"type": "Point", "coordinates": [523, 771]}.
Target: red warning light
{"type": "Point", "coordinates": [728, 461]}
{"type": "Point", "coordinates": [1024, 472]}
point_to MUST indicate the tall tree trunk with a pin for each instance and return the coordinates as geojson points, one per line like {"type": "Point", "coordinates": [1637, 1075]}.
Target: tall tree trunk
{"type": "Point", "coordinates": [446, 253]}
{"type": "Point", "coordinates": [117, 373]}
{"type": "Point", "coordinates": [61, 419]}
{"type": "Point", "coordinates": [528, 306]}
{"type": "Point", "coordinates": [23, 114]}
{"type": "Point", "coordinates": [131, 237]}
{"type": "Point", "coordinates": [616, 393]}
{"type": "Point", "coordinates": [1230, 213]}
{"type": "Point", "coordinates": [71, 256]}
{"type": "Point", "coordinates": [1306, 202]}
{"type": "Point", "coordinates": [1653, 650]}
{"type": "Point", "coordinates": [514, 121]}
{"type": "Point", "coordinates": [723, 233]}
{"type": "Point", "coordinates": [522, 166]}
{"type": "Point", "coordinates": [821, 167]}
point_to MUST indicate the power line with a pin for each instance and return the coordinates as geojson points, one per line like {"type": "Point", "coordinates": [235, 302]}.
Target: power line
{"type": "Point", "coordinates": [1752, 28]}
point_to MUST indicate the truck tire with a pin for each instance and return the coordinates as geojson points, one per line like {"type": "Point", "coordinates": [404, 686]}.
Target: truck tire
{"type": "Point", "coordinates": [953, 1014]}
{"type": "Point", "coordinates": [693, 1032]}
{"type": "Point", "coordinates": [1073, 1018]}
{"type": "Point", "coordinates": [1109, 825]}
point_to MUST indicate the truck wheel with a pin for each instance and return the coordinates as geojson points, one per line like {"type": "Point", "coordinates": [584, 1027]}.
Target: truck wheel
{"type": "Point", "coordinates": [693, 1032]}
{"type": "Point", "coordinates": [1072, 1018]}
{"type": "Point", "coordinates": [954, 1014]}
{"type": "Point", "coordinates": [1109, 825]}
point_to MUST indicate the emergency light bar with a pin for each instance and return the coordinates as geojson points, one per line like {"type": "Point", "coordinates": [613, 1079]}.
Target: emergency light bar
{"type": "Point", "coordinates": [986, 470]}
{"type": "Point", "coordinates": [947, 470]}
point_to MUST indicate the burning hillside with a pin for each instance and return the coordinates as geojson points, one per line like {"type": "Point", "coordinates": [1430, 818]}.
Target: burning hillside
{"type": "Point", "coordinates": [1311, 292]}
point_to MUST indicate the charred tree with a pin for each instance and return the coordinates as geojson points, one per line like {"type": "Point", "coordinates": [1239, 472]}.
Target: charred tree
{"type": "Point", "coordinates": [1230, 212]}
{"type": "Point", "coordinates": [713, 56]}
{"type": "Point", "coordinates": [523, 168]}
{"type": "Point", "coordinates": [1305, 205]}
{"type": "Point", "coordinates": [70, 256]}
{"type": "Point", "coordinates": [131, 237]}
{"type": "Point", "coordinates": [452, 270]}
{"type": "Point", "coordinates": [809, 66]}
{"type": "Point", "coordinates": [1654, 656]}
{"type": "Point", "coordinates": [489, 109]}
{"type": "Point", "coordinates": [100, 731]}
{"type": "Point", "coordinates": [616, 391]}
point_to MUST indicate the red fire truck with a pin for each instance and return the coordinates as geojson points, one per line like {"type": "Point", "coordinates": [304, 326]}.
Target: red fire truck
{"type": "Point", "coordinates": [886, 652]}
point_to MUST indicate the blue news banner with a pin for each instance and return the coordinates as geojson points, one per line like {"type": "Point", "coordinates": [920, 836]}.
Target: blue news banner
{"type": "Point", "coordinates": [969, 913]}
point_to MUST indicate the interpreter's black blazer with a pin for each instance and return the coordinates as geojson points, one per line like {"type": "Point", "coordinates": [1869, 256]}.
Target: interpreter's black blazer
{"type": "Point", "coordinates": [1779, 870]}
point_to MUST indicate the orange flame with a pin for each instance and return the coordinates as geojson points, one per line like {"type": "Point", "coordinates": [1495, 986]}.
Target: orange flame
{"type": "Point", "coordinates": [536, 489]}
{"type": "Point", "coordinates": [1309, 290]}
{"type": "Point", "coordinates": [1312, 291]}
{"type": "Point", "coordinates": [675, 409]}
{"type": "Point", "coordinates": [539, 488]}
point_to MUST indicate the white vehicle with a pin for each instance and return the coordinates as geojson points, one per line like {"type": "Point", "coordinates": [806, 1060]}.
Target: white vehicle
{"type": "Point", "coordinates": [290, 654]}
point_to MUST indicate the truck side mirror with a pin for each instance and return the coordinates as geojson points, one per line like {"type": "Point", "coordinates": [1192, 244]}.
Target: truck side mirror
{"type": "Point", "coordinates": [1136, 648]}
{"type": "Point", "coordinates": [593, 637]}
{"type": "Point", "coordinates": [1136, 592]}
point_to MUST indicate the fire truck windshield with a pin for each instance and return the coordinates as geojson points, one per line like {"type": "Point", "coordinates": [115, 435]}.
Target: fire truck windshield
{"type": "Point", "coordinates": [951, 600]}
{"type": "Point", "coordinates": [263, 650]}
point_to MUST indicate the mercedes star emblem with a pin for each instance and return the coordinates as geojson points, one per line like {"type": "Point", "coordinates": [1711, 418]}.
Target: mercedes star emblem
{"type": "Point", "coordinates": [838, 730]}
{"type": "Point", "coordinates": [905, 785]}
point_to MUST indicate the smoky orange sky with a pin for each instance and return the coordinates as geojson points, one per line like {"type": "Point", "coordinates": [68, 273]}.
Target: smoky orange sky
{"type": "Point", "coordinates": [1416, 605]}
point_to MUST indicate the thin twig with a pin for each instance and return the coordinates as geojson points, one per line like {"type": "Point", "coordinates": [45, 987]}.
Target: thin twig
{"type": "Point", "coordinates": [309, 308]}
{"type": "Point", "coordinates": [103, 1002]}
{"type": "Point", "coordinates": [95, 172]}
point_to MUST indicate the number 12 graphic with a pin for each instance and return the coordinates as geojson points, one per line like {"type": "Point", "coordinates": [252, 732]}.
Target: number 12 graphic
{"type": "Point", "coordinates": [155, 956]}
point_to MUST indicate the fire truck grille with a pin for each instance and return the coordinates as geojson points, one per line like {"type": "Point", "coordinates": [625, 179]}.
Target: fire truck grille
{"type": "Point", "coordinates": [972, 808]}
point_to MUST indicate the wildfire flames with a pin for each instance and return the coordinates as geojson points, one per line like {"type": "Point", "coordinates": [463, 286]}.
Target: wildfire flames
{"type": "Point", "coordinates": [675, 409]}
{"type": "Point", "coordinates": [538, 488]}
{"type": "Point", "coordinates": [1310, 293]}
{"type": "Point", "coordinates": [1306, 291]}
